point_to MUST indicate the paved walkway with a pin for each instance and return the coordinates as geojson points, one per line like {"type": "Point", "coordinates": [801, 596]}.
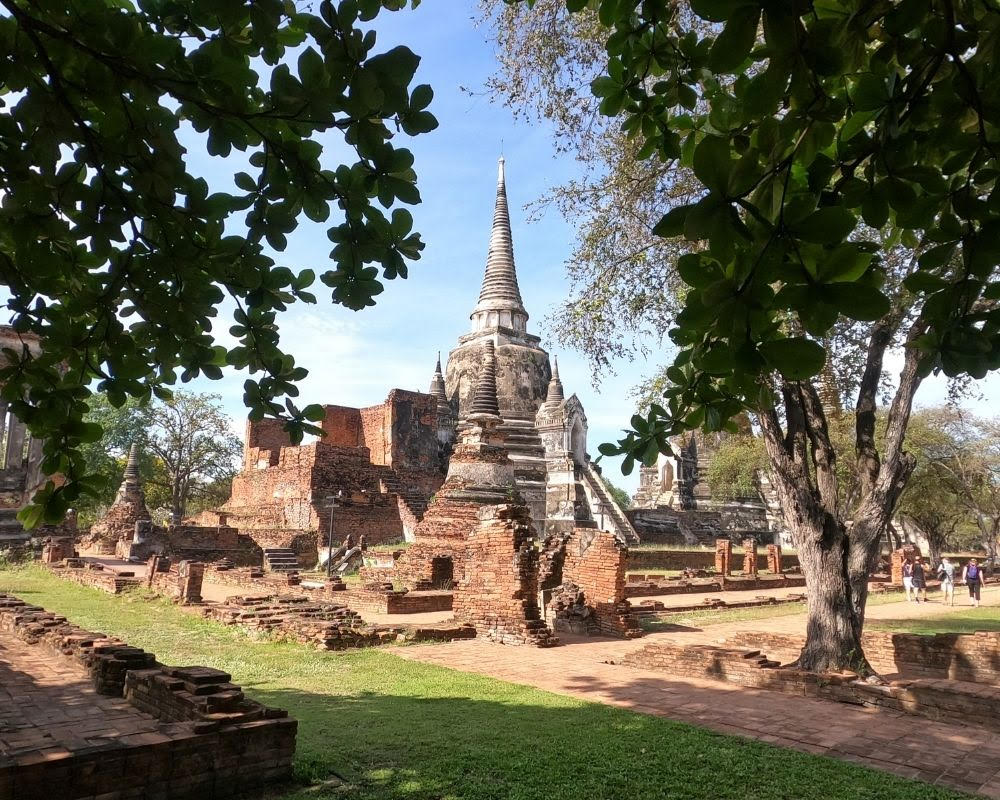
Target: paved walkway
{"type": "Point", "coordinates": [952, 755]}
{"type": "Point", "coordinates": [49, 710]}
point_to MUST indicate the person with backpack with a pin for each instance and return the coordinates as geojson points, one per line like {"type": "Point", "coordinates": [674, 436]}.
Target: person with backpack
{"type": "Point", "coordinates": [946, 574]}
{"type": "Point", "coordinates": [973, 577]}
{"type": "Point", "coordinates": [908, 579]}
{"type": "Point", "coordinates": [919, 580]}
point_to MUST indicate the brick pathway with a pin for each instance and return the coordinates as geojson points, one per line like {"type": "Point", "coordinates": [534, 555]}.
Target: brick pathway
{"type": "Point", "coordinates": [49, 710]}
{"type": "Point", "coordinates": [962, 757]}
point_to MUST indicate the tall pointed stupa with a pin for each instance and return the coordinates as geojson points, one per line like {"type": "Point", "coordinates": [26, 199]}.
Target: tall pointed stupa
{"type": "Point", "coordinates": [499, 316]}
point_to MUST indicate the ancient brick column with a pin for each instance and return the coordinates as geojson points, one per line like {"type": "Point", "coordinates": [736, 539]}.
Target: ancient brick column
{"type": "Point", "coordinates": [897, 559]}
{"type": "Point", "coordinates": [723, 557]}
{"type": "Point", "coordinates": [774, 558]}
{"type": "Point", "coordinates": [189, 578]}
{"type": "Point", "coordinates": [750, 557]}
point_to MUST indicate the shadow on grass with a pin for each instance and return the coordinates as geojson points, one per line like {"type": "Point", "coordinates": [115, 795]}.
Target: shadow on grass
{"type": "Point", "coordinates": [388, 746]}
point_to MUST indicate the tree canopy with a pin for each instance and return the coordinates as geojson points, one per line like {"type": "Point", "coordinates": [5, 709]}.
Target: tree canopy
{"type": "Point", "coordinates": [119, 255]}
{"type": "Point", "coordinates": [844, 154]}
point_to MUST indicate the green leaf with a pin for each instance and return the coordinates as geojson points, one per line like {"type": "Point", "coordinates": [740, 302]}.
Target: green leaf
{"type": "Point", "coordinates": [829, 225]}
{"type": "Point", "coordinates": [857, 301]}
{"type": "Point", "coordinates": [796, 358]}
{"type": "Point", "coordinates": [733, 45]}
{"type": "Point", "coordinates": [672, 223]}
{"type": "Point", "coordinates": [712, 164]}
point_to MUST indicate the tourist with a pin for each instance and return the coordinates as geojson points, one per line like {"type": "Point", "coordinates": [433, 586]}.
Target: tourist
{"type": "Point", "coordinates": [973, 577]}
{"type": "Point", "coordinates": [908, 578]}
{"type": "Point", "coordinates": [946, 574]}
{"type": "Point", "coordinates": [918, 580]}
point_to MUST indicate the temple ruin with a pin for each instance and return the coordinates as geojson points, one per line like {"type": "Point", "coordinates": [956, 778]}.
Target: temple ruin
{"type": "Point", "coordinates": [375, 470]}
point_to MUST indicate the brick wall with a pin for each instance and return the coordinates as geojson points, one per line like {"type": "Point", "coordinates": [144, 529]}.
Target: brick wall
{"type": "Point", "coordinates": [498, 592]}
{"type": "Point", "coordinates": [971, 657]}
{"type": "Point", "coordinates": [595, 561]}
{"type": "Point", "coordinates": [213, 742]}
{"type": "Point", "coordinates": [948, 700]}
{"type": "Point", "coordinates": [105, 580]}
{"type": "Point", "coordinates": [693, 559]}
{"type": "Point", "coordinates": [182, 582]}
{"type": "Point", "coordinates": [654, 585]}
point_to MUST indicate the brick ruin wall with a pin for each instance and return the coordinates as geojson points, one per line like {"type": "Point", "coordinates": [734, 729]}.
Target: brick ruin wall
{"type": "Point", "coordinates": [213, 741]}
{"type": "Point", "coordinates": [970, 657]}
{"type": "Point", "coordinates": [199, 543]}
{"type": "Point", "coordinates": [639, 560]}
{"type": "Point", "coordinates": [180, 582]}
{"type": "Point", "coordinates": [498, 592]}
{"type": "Point", "coordinates": [938, 699]}
{"type": "Point", "coordinates": [439, 538]}
{"type": "Point", "coordinates": [369, 453]}
{"type": "Point", "coordinates": [595, 562]}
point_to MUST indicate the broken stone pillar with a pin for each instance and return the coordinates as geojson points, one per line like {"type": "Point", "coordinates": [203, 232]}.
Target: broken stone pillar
{"type": "Point", "coordinates": [723, 557]}
{"type": "Point", "coordinates": [774, 558]}
{"type": "Point", "coordinates": [750, 557]}
{"type": "Point", "coordinates": [190, 575]}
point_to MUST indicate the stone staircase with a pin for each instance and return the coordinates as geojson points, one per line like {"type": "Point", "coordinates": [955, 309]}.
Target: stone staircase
{"type": "Point", "coordinates": [412, 498]}
{"type": "Point", "coordinates": [12, 533]}
{"type": "Point", "coordinates": [280, 559]}
{"type": "Point", "coordinates": [526, 451]}
{"type": "Point", "coordinates": [596, 490]}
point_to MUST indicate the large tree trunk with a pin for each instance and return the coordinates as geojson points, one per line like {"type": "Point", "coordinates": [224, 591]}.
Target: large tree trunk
{"type": "Point", "coordinates": [833, 627]}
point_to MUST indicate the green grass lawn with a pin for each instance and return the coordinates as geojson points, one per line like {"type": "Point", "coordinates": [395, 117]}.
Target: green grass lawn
{"type": "Point", "coordinates": [968, 620]}
{"type": "Point", "coordinates": [392, 728]}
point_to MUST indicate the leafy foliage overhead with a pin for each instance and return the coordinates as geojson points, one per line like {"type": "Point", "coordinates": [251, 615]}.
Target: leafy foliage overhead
{"type": "Point", "coordinates": [119, 255]}
{"type": "Point", "coordinates": [802, 121]}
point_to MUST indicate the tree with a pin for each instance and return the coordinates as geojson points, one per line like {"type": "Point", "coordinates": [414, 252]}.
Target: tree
{"type": "Point", "coordinates": [735, 466]}
{"type": "Point", "coordinates": [618, 494]}
{"type": "Point", "coordinates": [796, 120]}
{"type": "Point", "coordinates": [192, 437]}
{"type": "Point", "coordinates": [963, 462]}
{"type": "Point", "coordinates": [187, 452]}
{"type": "Point", "coordinates": [118, 256]}
{"type": "Point", "coordinates": [932, 502]}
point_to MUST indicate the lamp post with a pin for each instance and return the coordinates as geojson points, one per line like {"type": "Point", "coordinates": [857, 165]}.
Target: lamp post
{"type": "Point", "coordinates": [333, 500]}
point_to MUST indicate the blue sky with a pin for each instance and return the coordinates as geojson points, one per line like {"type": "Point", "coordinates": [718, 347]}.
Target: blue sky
{"type": "Point", "coordinates": [355, 358]}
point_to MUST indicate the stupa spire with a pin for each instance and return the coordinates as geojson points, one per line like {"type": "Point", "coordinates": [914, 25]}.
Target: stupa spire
{"type": "Point", "coordinates": [437, 382]}
{"type": "Point", "coordinates": [500, 297]}
{"type": "Point", "coordinates": [484, 401]}
{"type": "Point", "coordinates": [555, 391]}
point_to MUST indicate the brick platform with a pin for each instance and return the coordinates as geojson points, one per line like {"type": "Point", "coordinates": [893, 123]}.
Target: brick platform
{"type": "Point", "coordinates": [84, 716]}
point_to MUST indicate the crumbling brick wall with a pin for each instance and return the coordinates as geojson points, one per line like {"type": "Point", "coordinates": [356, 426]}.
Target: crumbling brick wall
{"type": "Point", "coordinates": [595, 561]}
{"type": "Point", "coordinates": [182, 582]}
{"type": "Point", "coordinates": [498, 592]}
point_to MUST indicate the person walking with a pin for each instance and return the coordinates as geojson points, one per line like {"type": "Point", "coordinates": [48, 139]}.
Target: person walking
{"type": "Point", "coordinates": [946, 574]}
{"type": "Point", "coordinates": [919, 580]}
{"type": "Point", "coordinates": [973, 577]}
{"type": "Point", "coordinates": [908, 578]}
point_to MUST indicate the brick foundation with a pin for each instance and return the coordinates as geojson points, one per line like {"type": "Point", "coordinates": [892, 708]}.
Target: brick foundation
{"type": "Point", "coordinates": [969, 657]}
{"type": "Point", "coordinates": [211, 741]}
{"type": "Point", "coordinates": [949, 700]}
{"type": "Point", "coordinates": [642, 559]}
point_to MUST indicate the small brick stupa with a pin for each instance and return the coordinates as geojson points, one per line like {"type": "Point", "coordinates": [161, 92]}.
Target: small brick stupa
{"type": "Point", "coordinates": [129, 507]}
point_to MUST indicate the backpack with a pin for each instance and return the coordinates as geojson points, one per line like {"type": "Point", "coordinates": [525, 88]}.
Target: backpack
{"type": "Point", "coordinates": [972, 572]}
